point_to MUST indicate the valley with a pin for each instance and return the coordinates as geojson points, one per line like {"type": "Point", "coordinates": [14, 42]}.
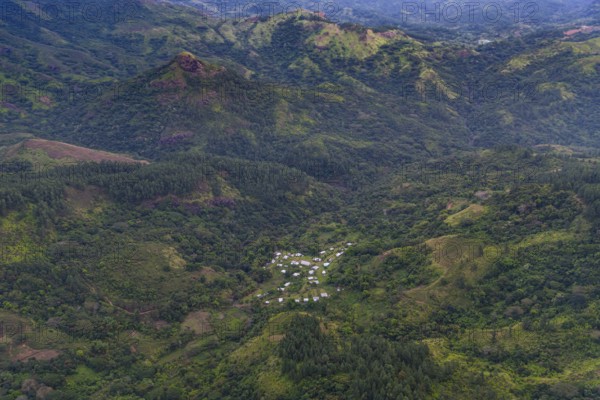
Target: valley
{"type": "Point", "coordinates": [295, 206]}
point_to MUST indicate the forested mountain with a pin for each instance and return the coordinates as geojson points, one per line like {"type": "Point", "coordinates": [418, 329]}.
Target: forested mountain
{"type": "Point", "coordinates": [303, 70]}
{"type": "Point", "coordinates": [207, 205]}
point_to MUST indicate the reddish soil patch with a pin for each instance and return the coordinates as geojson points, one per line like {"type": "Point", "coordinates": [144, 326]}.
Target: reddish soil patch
{"type": "Point", "coordinates": [191, 64]}
{"type": "Point", "coordinates": [583, 29]}
{"type": "Point", "coordinates": [388, 34]}
{"type": "Point", "coordinates": [59, 150]}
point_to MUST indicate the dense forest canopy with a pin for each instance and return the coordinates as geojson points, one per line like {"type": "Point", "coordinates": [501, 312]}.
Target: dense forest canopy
{"type": "Point", "coordinates": [335, 203]}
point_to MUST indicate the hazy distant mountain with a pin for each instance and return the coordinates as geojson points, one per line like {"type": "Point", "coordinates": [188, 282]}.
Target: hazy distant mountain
{"type": "Point", "coordinates": [463, 19]}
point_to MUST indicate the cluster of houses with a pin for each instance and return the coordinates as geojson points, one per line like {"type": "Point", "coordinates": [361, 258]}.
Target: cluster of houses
{"type": "Point", "coordinates": [290, 261]}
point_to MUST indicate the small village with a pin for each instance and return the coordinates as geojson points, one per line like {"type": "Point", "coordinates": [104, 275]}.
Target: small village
{"type": "Point", "coordinates": [301, 278]}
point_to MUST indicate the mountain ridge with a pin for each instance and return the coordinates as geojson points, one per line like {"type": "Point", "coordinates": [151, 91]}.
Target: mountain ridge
{"type": "Point", "coordinates": [326, 211]}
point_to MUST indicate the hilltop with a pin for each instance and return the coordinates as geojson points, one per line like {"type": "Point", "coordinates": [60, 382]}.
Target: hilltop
{"type": "Point", "coordinates": [189, 104]}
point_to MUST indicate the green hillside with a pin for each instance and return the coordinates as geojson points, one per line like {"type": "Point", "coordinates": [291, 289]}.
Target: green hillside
{"type": "Point", "coordinates": [290, 208]}
{"type": "Point", "coordinates": [171, 269]}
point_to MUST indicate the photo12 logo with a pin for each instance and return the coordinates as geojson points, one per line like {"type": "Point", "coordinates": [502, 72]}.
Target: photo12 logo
{"type": "Point", "coordinates": [23, 172]}
{"type": "Point", "coordinates": [70, 12]}
{"type": "Point", "coordinates": [248, 93]}
{"type": "Point", "coordinates": [231, 10]}
{"type": "Point", "coordinates": [20, 172]}
{"type": "Point", "coordinates": [470, 251]}
{"type": "Point", "coordinates": [12, 251]}
{"type": "Point", "coordinates": [456, 12]}
{"type": "Point", "coordinates": [472, 173]}
{"type": "Point", "coordinates": [473, 92]}
{"type": "Point", "coordinates": [18, 331]}
{"type": "Point", "coordinates": [52, 93]}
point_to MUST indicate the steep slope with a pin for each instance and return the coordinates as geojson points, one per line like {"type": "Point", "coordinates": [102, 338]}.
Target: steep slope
{"type": "Point", "coordinates": [473, 275]}
{"type": "Point", "coordinates": [288, 78]}
{"type": "Point", "coordinates": [325, 129]}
